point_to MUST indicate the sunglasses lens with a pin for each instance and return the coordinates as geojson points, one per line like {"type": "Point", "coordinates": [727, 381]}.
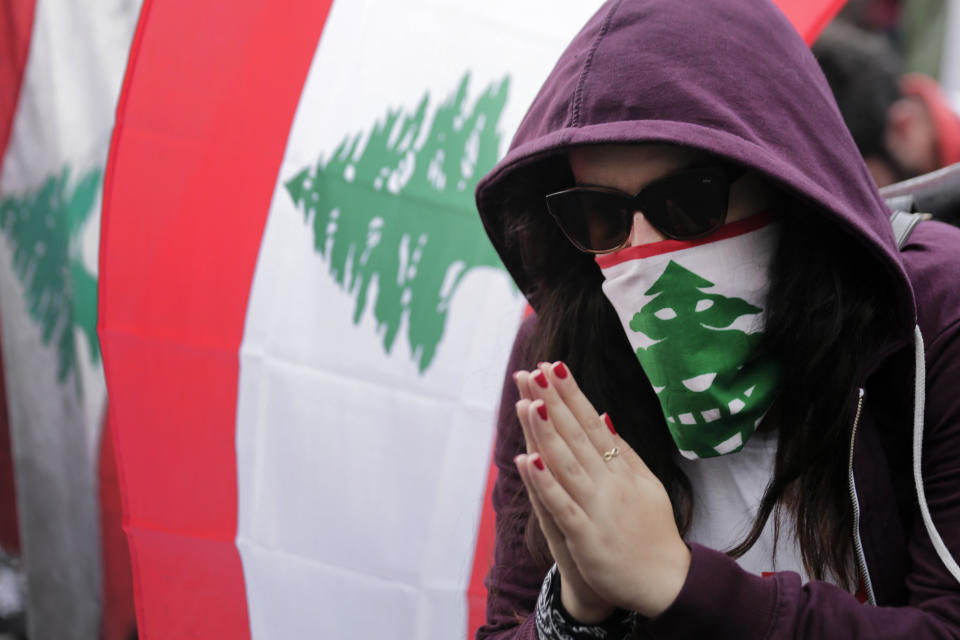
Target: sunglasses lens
{"type": "Point", "coordinates": [687, 205]}
{"type": "Point", "coordinates": [682, 206]}
{"type": "Point", "coordinates": [595, 221]}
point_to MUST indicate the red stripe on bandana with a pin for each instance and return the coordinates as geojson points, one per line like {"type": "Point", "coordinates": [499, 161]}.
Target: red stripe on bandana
{"type": "Point", "coordinates": [731, 230]}
{"type": "Point", "coordinates": [207, 103]}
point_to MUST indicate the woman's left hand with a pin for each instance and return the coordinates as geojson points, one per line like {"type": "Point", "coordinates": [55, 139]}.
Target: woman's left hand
{"type": "Point", "coordinates": [615, 515]}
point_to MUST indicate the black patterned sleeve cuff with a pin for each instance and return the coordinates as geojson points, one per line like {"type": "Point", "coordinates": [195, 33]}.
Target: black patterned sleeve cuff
{"type": "Point", "coordinates": [554, 623]}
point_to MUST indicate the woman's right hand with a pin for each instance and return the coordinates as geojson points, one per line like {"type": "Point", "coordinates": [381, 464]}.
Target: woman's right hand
{"type": "Point", "coordinates": [580, 601]}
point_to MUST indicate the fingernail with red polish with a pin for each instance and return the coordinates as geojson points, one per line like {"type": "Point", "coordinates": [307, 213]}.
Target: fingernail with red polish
{"type": "Point", "coordinates": [606, 418]}
{"type": "Point", "coordinates": [540, 379]}
{"type": "Point", "coordinates": [560, 370]}
{"type": "Point", "coordinates": [542, 410]}
{"type": "Point", "coordinates": [538, 463]}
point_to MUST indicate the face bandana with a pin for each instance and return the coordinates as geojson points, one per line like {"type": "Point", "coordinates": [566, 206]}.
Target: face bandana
{"type": "Point", "coordinates": [693, 312]}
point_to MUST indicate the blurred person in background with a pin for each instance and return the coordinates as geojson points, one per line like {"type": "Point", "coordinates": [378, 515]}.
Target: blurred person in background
{"type": "Point", "coordinates": [874, 15]}
{"type": "Point", "coordinates": [903, 124]}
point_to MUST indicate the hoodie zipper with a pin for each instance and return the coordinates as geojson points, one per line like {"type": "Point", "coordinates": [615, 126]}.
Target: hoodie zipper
{"type": "Point", "coordinates": [857, 544]}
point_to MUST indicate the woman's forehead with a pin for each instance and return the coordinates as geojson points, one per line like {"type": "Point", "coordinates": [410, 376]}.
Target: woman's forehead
{"type": "Point", "coordinates": [628, 167]}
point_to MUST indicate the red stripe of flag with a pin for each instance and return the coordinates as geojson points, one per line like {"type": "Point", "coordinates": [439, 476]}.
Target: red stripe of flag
{"type": "Point", "coordinates": [9, 522]}
{"type": "Point", "coordinates": [207, 103]}
{"type": "Point", "coordinates": [810, 16]}
{"type": "Point", "coordinates": [118, 619]}
{"type": "Point", "coordinates": [16, 27]}
{"type": "Point", "coordinates": [482, 559]}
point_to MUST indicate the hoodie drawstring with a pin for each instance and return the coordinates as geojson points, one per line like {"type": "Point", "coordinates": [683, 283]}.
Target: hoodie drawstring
{"type": "Point", "coordinates": [851, 483]}
{"type": "Point", "coordinates": [919, 399]}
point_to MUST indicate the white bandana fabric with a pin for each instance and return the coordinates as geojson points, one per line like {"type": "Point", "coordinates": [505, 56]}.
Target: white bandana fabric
{"type": "Point", "coordinates": [693, 313]}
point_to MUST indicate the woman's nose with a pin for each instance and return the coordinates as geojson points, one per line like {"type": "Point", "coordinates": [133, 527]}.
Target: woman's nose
{"type": "Point", "coordinates": [642, 232]}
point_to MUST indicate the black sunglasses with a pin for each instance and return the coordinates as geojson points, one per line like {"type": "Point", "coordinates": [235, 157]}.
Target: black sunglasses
{"type": "Point", "coordinates": [684, 205]}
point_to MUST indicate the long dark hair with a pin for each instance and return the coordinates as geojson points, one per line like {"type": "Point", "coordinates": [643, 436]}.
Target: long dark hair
{"type": "Point", "coordinates": [825, 316]}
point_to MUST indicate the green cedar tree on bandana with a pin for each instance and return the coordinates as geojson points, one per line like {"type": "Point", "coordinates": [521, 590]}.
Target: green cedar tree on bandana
{"type": "Point", "coordinates": [693, 312]}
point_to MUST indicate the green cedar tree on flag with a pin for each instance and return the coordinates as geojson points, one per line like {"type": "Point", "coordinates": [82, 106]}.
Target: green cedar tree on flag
{"type": "Point", "coordinates": [44, 227]}
{"type": "Point", "coordinates": [305, 329]}
{"type": "Point", "coordinates": [357, 199]}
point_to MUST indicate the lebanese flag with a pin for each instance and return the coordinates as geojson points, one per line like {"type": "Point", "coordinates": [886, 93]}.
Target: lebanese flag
{"type": "Point", "coordinates": [304, 327]}
{"type": "Point", "coordinates": [16, 24]}
{"type": "Point", "coordinates": [61, 68]}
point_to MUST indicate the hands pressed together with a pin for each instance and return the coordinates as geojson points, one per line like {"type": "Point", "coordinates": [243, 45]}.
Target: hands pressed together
{"type": "Point", "coordinates": [607, 518]}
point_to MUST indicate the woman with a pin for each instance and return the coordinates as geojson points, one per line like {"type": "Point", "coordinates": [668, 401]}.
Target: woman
{"type": "Point", "coordinates": [709, 258]}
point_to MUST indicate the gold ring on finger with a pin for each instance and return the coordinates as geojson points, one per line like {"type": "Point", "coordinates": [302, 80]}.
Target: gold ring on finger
{"type": "Point", "coordinates": [611, 454]}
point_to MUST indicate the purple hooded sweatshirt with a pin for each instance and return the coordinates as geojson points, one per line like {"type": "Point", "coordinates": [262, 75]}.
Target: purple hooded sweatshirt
{"type": "Point", "coordinates": [732, 77]}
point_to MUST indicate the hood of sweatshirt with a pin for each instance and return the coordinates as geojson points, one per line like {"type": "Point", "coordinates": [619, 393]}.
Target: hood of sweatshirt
{"type": "Point", "coordinates": [730, 77]}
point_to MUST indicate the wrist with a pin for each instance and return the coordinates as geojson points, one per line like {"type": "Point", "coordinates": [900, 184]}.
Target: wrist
{"type": "Point", "coordinates": [555, 622]}
{"type": "Point", "coordinates": [583, 610]}
{"type": "Point", "coordinates": [670, 585]}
